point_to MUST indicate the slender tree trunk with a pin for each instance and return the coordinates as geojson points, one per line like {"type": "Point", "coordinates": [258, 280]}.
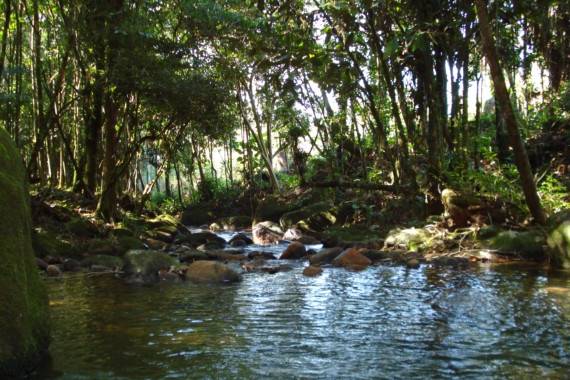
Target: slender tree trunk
{"type": "Point", "coordinates": [521, 157]}
{"type": "Point", "coordinates": [7, 13]}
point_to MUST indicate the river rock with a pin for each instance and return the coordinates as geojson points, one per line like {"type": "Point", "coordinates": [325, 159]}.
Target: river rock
{"type": "Point", "coordinates": [189, 255]}
{"type": "Point", "coordinates": [226, 255]}
{"type": "Point", "coordinates": [312, 271]}
{"type": "Point", "coordinates": [238, 243]}
{"type": "Point", "coordinates": [71, 265]}
{"type": "Point", "coordinates": [526, 244]}
{"type": "Point", "coordinates": [106, 261]}
{"type": "Point", "coordinates": [241, 236]}
{"type": "Point", "coordinates": [143, 265]}
{"type": "Point", "coordinates": [260, 254]}
{"type": "Point", "coordinates": [53, 271]}
{"type": "Point", "coordinates": [267, 233]}
{"type": "Point", "coordinates": [211, 272]}
{"type": "Point", "coordinates": [413, 263]}
{"type": "Point", "coordinates": [452, 262]}
{"type": "Point", "coordinates": [294, 251]}
{"type": "Point", "coordinates": [325, 256]}
{"type": "Point", "coordinates": [198, 238]}
{"type": "Point", "coordinates": [559, 240]}
{"type": "Point", "coordinates": [41, 264]}
{"type": "Point", "coordinates": [46, 243]}
{"type": "Point", "coordinates": [352, 259]}
{"type": "Point", "coordinates": [24, 315]}
{"type": "Point", "coordinates": [314, 217]}
{"type": "Point", "coordinates": [413, 239]}
{"type": "Point", "coordinates": [154, 244]}
{"type": "Point", "coordinates": [295, 234]}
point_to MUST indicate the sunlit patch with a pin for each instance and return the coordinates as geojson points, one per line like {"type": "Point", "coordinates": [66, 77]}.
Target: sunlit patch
{"type": "Point", "coordinates": [557, 290]}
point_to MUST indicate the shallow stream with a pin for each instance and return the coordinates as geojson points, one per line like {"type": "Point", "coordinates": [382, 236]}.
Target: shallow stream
{"type": "Point", "coordinates": [383, 322]}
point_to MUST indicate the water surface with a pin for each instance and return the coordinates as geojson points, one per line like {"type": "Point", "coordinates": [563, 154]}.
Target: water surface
{"type": "Point", "coordinates": [384, 322]}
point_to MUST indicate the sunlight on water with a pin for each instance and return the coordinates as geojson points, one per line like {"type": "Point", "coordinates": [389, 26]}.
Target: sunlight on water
{"type": "Point", "coordinates": [384, 322]}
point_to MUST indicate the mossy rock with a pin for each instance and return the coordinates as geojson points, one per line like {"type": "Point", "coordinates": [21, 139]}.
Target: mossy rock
{"type": "Point", "coordinates": [272, 208]}
{"type": "Point", "coordinates": [526, 244]}
{"type": "Point", "coordinates": [111, 262]}
{"type": "Point", "coordinates": [145, 264]}
{"type": "Point", "coordinates": [354, 233]}
{"type": "Point", "coordinates": [46, 243]}
{"type": "Point", "coordinates": [166, 222]}
{"type": "Point", "coordinates": [559, 241]}
{"type": "Point", "coordinates": [102, 247]}
{"type": "Point", "coordinates": [412, 239]}
{"type": "Point", "coordinates": [82, 228]}
{"type": "Point", "coordinates": [233, 223]}
{"type": "Point", "coordinates": [487, 232]}
{"type": "Point", "coordinates": [24, 319]}
{"type": "Point", "coordinates": [315, 217]}
{"type": "Point", "coordinates": [127, 243]}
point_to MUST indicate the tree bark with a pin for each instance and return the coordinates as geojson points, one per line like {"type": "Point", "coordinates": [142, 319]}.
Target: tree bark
{"type": "Point", "coordinates": [507, 110]}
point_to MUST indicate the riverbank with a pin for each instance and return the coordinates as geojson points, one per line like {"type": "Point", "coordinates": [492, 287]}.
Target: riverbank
{"type": "Point", "coordinates": [309, 225]}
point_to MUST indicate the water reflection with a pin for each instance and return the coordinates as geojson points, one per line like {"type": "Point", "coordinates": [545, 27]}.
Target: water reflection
{"type": "Point", "coordinates": [384, 322]}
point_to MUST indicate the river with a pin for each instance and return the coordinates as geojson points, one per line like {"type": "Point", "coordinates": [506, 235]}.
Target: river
{"type": "Point", "coordinates": [383, 322]}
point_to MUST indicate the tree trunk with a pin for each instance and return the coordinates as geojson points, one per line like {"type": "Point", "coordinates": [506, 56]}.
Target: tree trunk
{"type": "Point", "coordinates": [502, 95]}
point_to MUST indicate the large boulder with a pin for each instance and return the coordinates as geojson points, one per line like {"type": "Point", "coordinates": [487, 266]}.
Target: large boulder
{"type": "Point", "coordinates": [559, 242]}
{"type": "Point", "coordinates": [295, 234]}
{"type": "Point", "coordinates": [315, 217]}
{"type": "Point", "coordinates": [211, 272]}
{"type": "Point", "coordinates": [525, 244]}
{"type": "Point", "coordinates": [46, 243]}
{"type": "Point", "coordinates": [24, 319]}
{"type": "Point", "coordinates": [267, 233]}
{"type": "Point", "coordinates": [144, 265]}
{"type": "Point", "coordinates": [413, 239]}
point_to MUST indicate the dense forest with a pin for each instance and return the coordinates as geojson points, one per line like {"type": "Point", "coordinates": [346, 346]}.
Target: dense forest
{"type": "Point", "coordinates": [401, 168]}
{"type": "Point", "coordinates": [208, 95]}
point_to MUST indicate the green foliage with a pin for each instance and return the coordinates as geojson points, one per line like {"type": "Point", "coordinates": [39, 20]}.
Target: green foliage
{"type": "Point", "coordinates": [288, 181]}
{"type": "Point", "coordinates": [502, 181]}
{"type": "Point", "coordinates": [554, 195]}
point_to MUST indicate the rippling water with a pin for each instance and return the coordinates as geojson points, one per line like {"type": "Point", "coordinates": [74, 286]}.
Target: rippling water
{"type": "Point", "coordinates": [384, 322]}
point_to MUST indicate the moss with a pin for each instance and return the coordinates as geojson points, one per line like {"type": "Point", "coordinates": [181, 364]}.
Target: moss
{"type": "Point", "coordinates": [102, 247]}
{"type": "Point", "coordinates": [413, 239]}
{"type": "Point", "coordinates": [313, 217]}
{"type": "Point", "coordinates": [527, 244]}
{"type": "Point", "coordinates": [559, 244]}
{"type": "Point", "coordinates": [24, 320]}
{"type": "Point", "coordinates": [46, 243]}
{"type": "Point", "coordinates": [355, 233]}
{"type": "Point", "coordinates": [147, 263]}
{"type": "Point", "coordinates": [126, 243]}
{"type": "Point", "coordinates": [82, 228]}
{"type": "Point", "coordinates": [233, 223]}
